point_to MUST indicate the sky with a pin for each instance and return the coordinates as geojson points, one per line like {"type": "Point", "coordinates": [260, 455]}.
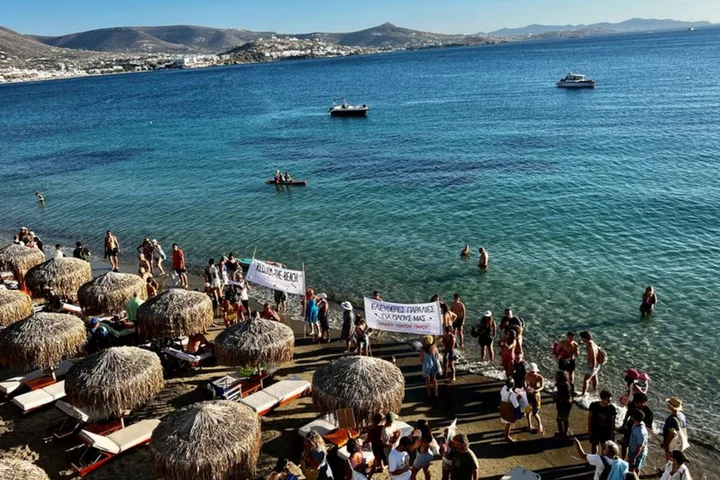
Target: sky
{"type": "Point", "coordinates": [57, 17]}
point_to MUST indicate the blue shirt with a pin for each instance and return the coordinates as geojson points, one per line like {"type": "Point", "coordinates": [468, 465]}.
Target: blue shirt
{"type": "Point", "coordinates": [639, 438]}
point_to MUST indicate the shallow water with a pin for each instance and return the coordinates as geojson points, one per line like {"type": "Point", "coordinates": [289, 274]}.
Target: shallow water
{"type": "Point", "coordinates": [583, 198]}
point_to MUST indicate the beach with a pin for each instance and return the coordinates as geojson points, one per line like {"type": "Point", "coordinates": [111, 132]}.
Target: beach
{"type": "Point", "coordinates": [473, 400]}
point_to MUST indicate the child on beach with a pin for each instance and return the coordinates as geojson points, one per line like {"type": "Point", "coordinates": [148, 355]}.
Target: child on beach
{"type": "Point", "coordinates": [563, 403]}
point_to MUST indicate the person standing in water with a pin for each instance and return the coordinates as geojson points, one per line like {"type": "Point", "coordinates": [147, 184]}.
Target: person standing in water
{"type": "Point", "coordinates": [465, 251]}
{"type": "Point", "coordinates": [112, 250]}
{"type": "Point", "coordinates": [566, 352]}
{"type": "Point", "coordinates": [40, 198]}
{"type": "Point", "coordinates": [178, 260]}
{"type": "Point", "coordinates": [593, 362]}
{"type": "Point", "coordinates": [458, 308]}
{"type": "Point", "coordinates": [649, 300]}
{"type": "Point", "coordinates": [485, 331]}
{"type": "Point", "coordinates": [484, 259]}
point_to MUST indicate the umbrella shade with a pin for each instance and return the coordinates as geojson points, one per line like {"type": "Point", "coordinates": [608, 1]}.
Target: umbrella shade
{"type": "Point", "coordinates": [19, 259]}
{"type": "Point", "coordinates": [215, 440]}
{"type": "Point", "coordinates": [110, 292]}
{"type": "Point", "coordinates": [42, 340]}
{"type": "Point", "coordinates": [175, 313]}
{"type": "Point", "coordinates": [12, 469]}
{"type": "Point", "coordinates": [255, 342]}
{"type": "Point", "coordinates": [14, 306]}
{"type": "Point", "coordinates": [65, 275]}
{"type": "Point", "coordinates": [367, 385]}
{"type": "Point", "coordinates": [114, 380]}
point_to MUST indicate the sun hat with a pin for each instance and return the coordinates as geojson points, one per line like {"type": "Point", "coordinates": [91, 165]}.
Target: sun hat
{"type": "Point", "coordinates": [533, 368]}
{"type": "Point", "coordinates": [674, 402]}
{"type": "Point", "coordinates": [346, 305]}
{"type": "Point", "coordinates": [487, 313]}
{"type": "Point", "coordinates": [322, 296]}
{"type": "Point", "coordinates": [428, 340]}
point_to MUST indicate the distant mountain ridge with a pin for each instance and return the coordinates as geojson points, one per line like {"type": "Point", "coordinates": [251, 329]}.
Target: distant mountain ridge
{"type": "Point", "coordinates": [628, 26]}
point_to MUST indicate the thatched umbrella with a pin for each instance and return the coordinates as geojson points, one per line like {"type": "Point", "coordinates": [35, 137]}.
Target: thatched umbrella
{"type": "Point", "coordinates": [65, 275]}
{"type": "Point", "coordinates": [18, 259]}
{"type": "Point", "coordinates": [174, 313]}
{"type": "Point", "coordinates": [13, 469]}
{"type": "Point", "coordinates": [367, 385]}
{"type": "Point", "coordinates": [215, 440]}
{"type": "Point", "coordinates": [14, 306]}
{"type": "Point", "coordinates": [42, 340]}
{"type": "Point", "coordinates": [114, 380]}
{"type": "Point", "coordinates": [110, 292]}
{"type": "Point", "coordinates": [255, 342]}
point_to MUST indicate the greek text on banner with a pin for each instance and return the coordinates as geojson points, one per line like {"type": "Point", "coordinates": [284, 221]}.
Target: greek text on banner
{"type": "Point", "coordinates": [277, 278]}
{"type": "Point", "coordinates": [420, 319]}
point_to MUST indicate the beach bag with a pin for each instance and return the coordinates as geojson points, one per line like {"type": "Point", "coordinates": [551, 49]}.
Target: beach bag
{"type": "Point", "coordinates": [602, 356]}
{"type": "Point", "coordinates": [507, 412]}
{"type": "Point", "coordinates": [680, 442]}
{"type": "Point", "coordinates": [475, 332]}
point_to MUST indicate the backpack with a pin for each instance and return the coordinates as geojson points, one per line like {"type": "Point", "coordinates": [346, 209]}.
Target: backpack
{"type": "Point", "coordinates": [605, 474]}
{"type": "Point", "coordinates": [601, 357]}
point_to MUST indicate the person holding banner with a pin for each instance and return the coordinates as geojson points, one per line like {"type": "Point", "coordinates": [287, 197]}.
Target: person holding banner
{"type": "Point", "coordinates": [431, 367]}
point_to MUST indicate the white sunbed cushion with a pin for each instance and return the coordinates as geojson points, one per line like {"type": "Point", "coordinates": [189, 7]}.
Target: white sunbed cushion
{"type": "Point", "coordinates": [11, 384]}
{"type": "Point", "coordinates": [322, 425]}
{"type": "Point", "coordinates": [72, 411]}
{"type": "Point", "coordinates": [101, 443]}
{"type": "Point", "coordinates": [343, 454]}
{"type": "Point", "coordinates": [285, 389]}
{"type": "Point", "coordinates": [405, 429]}
{"type": "Point", "coordinates": [260, 401]}
{"type": "Point", "coordinates": [188, 357]}
{"type": "Point", "coordinates": [519, 473]}
{"type": "Point", "coordinates": [56, 390]}
{"type": "Point", "coordinates": [32, 400]}
{"type": "Point", "coordinates": [137, 433]}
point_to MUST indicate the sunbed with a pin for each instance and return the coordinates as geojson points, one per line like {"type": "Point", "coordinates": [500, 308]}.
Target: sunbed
{"type": "Point", "coordinates": [276, 395]}
{"type": "Point", "coordinates": [182, 360]}
{"type": "Point", "coordinates": [344, 455]}
{"type": "Point", "coordinates": [9, 386]}
{"type": "Point", "coordinates": [322, 425]}
{"type": "Point", "coordinates": [30, 401]}
{"type": "Point", "coordinates": [520, 473]}
{"type": "Point", "coordinates": [109, 446]}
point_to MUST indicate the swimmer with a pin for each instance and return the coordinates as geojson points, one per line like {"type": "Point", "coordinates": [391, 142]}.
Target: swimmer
{"type": "Point", "coordinates": [649, 300]}
{"type": "Point", "coordinates": [40, 198]}
{"type": "Point", "coordinates": [484, 258]}
{"type": "Point", "coordinates": [465, 252]}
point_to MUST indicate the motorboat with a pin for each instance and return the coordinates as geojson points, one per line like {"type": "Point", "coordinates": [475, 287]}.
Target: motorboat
{"type": "Point", "coordinates": [575, 80]}
{"type": "Point", "coordinates": [294, 183]}
{"type": "Point", "coordinates": [341, 108]}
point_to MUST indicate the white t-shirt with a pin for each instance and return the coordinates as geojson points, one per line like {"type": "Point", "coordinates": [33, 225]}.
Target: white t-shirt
{"type": "Point", "coordinates": [682, 474]}
{"type": "Point", "coordinates": [396, 461]}
{"type": "Point", "coordinates": [595, 461]}
{"type": "Point", "coordinates": [387, 434]}
{"type": "Point", "coordinates": [59, 254]}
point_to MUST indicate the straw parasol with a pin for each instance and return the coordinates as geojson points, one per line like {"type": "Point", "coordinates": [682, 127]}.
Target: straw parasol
{"type": "Point", "coordinates": [255, 342]}
{"type": "Point", "coordinates": [215, 440]}
{"type": "Point", "coordinates": [114, 380]}
{"type": "Point", "coordinates": [14, 306]}
{"type": "Point", "coordinates": [174, 313]}
{"type": "Point", "coordinates": [64, 274]}
{"type": "Point", "coordinates": [367, 385]}
{"type": "Point", "coordinates": [42, 340]}
{"type": "Point", "coordinates": [19, 259]}
{"type": "Point", "coordinates": [13, 469]}
{"type": "Point", "coordinates": [110, 292]}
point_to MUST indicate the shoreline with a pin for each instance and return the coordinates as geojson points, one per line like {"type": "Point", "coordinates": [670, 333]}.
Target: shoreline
{"type": "Point", "coordinates": [467, 362]}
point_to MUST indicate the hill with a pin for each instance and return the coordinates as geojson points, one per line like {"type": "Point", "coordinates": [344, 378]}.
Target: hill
{"type": "Point", "coordinates": [118, 39]}
{"type": "Point", "coordinates": [14, 44]}
{"type": "Point", "coordinates": [628, 26]}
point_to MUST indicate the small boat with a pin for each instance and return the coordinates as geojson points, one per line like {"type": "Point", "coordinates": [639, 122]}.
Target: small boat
{"type": "Point", "coordinates": [343, 109]}
{"type": "Point", "coordinates": [575, 80]}
{"type": "Point", "coordinates": [293, 183]}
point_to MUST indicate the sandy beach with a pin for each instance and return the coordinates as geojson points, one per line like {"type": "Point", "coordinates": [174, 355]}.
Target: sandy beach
{"type": "Point", "coordinates": [472, 400]}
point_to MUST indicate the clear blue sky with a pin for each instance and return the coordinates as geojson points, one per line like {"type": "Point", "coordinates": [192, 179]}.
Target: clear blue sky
{"type": "Point", "coordinates": [55, 17]}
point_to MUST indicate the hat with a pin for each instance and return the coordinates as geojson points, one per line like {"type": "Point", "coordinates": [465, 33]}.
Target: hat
{"type": "Point", "coordinates": [644, 377]}
{"type": "Point", "coordinates": [632, 374]}
{"type": "Point", "coordinates": [533, 368]}
{"type": "Point", "coordinates": [322, 296]}
{"type": "Point", "coordinates": [487, 313]}
{"type": "Point", "coordinates": [428, 340]}
{"type": "Point", "coordinates": [674, 402]}
{"type": "Point", "coordinates": [94, 321]}
{"type": "Point", "coordinates": [154, 241]}
{"type": "Point", "coordinates": [346, 305]}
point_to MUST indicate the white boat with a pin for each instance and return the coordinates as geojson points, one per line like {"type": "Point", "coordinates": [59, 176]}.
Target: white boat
{"type": "Point", "coordinates": [575, 80]}
{"type": "Point", "coordinates": [340, 108]}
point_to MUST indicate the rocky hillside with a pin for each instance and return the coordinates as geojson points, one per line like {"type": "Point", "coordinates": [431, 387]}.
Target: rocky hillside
{"type": "Point", "coordinates": [15, 45]}
{"type": "Point", "coordinates": [274, 49]}
{"type": "Point", "coordinates": [628, 26]}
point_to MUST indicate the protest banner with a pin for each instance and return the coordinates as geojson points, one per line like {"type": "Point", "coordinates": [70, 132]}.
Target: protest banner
{"type": "Point", "coordinates": [277, 278]}
{"type": "Point", "coordinates": [419, 319]}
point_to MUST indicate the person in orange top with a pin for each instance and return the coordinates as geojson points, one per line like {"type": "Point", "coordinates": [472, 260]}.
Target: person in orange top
{"type": "Point", "coordinates": [179, 265]}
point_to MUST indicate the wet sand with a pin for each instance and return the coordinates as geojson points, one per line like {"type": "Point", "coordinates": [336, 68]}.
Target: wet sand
{"type": "Point", "coordinates": [472, 399]}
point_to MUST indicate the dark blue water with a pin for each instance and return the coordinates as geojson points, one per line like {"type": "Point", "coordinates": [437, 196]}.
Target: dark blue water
{"type": "Point", "coordinates": [583, 198]}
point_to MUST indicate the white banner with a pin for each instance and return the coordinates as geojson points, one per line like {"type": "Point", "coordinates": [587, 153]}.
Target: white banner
{"type": "Point", "coordinates": [420, 319]}
{"type": "Point", "coordinates": [271, 276]}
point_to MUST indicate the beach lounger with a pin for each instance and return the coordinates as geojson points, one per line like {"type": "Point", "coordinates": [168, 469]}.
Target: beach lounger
{"type": "Point", "coordinates": [69, 307]}
{"type": "Point", "coordinates": [520, 473]}
{"type": "Point", "coordinates": [233, 387]}
{"type": "Point", "coordinates": [322, 425]}
{"type": "Point", "coordinates": [9, 386]}
{"type": "Point", "coordinates": [276, 395]}
{"type": "Point", "coordinates": [182, 360]}
{"type": "Point", "coordinates": [105, 447]}
{"type": "Point", "coordinates": [27, 402]}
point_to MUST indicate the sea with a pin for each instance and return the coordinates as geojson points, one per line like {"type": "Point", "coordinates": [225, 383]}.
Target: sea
{"type": "Point", "coordinates": [582, 198]}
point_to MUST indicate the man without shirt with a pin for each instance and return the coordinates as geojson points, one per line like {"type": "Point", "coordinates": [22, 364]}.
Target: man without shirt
{"type": "Point", "coordinates": [593, 366]}
{"type": "Point", "coordinates": [567, 351]}
{"type": "Point", "coordinates": [458, 308]}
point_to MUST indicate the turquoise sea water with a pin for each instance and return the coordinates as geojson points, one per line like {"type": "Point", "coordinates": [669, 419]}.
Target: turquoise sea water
{"type": "Point", "coordinates": [583, 198]}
